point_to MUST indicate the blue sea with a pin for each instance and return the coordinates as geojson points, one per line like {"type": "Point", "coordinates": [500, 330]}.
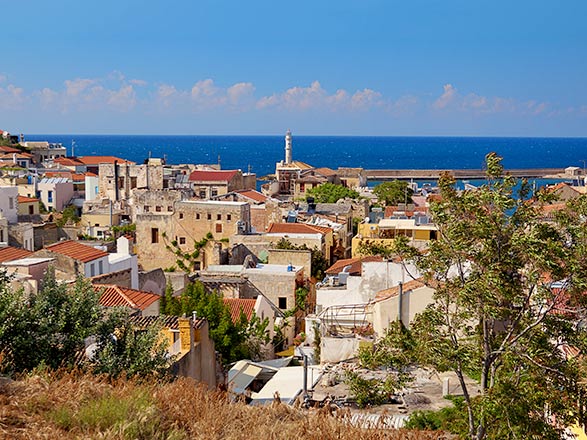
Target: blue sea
{"type": "Point", "coordinates": [260, 153]}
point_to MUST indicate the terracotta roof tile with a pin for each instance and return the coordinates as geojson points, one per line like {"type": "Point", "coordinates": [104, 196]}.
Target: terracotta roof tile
{"type": "Point", "coordinates": [97, 160]}
{"type": "Point", "coordinates": [116, 296]}
{"type": "Point", "coordinates": [212, 176]}
{"type": "Point", "coordinates": [24, 199]}
{"type": "Point", "coordinates": [77, 251]}
{"type": "Point", "coordinates": [170, 322]}
{"type": "Point", "coordinates": [297, 228]}
{"type": "Point", "coordinates": [68, 161]}
{"type": "Point", "coordinates": [237, 304]}
{"type": "Point", "coordinates": [355, 263]}
{"type": "Point", "coordinates": [327, 172]}
{"type": "Point", "coordinates": [394, 291]}
{"type": "Point", "coordinates": [5, 149]}
{"type": "Point", "coordinates": [10, 253]}
{"type": "Point", "coordinates": [252, 194]}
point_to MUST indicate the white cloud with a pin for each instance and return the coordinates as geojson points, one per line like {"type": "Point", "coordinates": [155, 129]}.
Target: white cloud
{"type": "Point", "coordinates": [240, 92]}
{"type": "Point", "coordinates": [446, 98]}
{"type": "Point", "coordinates": [123, 99]}
{"type": "Point", "coordinates": [366, 98]}
{"type": "Point", "coordinates": [11, 96]}
{"type": "Point", "coordinates": [138, 82]}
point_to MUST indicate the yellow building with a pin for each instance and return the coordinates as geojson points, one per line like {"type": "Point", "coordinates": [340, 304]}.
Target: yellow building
{"type": "Point", "coordinates": [387, 230]}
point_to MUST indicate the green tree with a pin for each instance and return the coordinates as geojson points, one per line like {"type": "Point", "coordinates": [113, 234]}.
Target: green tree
{"type": "Point", "coordinates": [124, 348]}
{"type": "Point", "coordinates": [187, 260]}
{"type": "Point", "coordinates": [47, 328]}
{"type": "Point", "coordinates": [69, 215]}
{"type": "Point", "coordinates": [393, 192]}
{"type": "Point", "coordinates": [331, 193]}
{"type": "Point", "coordinates": [509, 291]}
{"type": "Point", "coordinates": [229, 337]}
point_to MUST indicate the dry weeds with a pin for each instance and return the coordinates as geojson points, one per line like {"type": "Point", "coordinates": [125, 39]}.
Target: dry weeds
{"type": "Point", "coordinates": [75, 406]}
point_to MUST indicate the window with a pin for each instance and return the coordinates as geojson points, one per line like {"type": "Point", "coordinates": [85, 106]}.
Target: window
{"type": "Point", "coordinates": [92, 270]}
{"type": "Point", "coordinates": [209, 216]}
{"type": "Point", "coordinates": [302, 187]}
{"type": "Point", "coordinates": [197, 216]}
{"type": "Point", "coordinates": [214, 192]}
{"type": "Point", "coordinates": [2, 235]}
{"type": "Point", "coordinates": [100, 267]}
{"type": "Point", "coordinates": [181, 215]}
{"type": "Point", "coordinates": [282, 301]}
{"type": "Point", "coordinates": [154, 235]}
{"type": "Point", "coordinates": [228, 217]}
{"type": "Point", "coordinates": [158, 208]}
{"type": "Point", "coordinates": [202, 193]}
{"type": "Point", "coordinates": [218, 216]}
{"type": "Point", "coordinates": [197, 265]}
{"type": "Point", "coordinates": [50, 196]}
{"type": "Point", "coordinates": [181, 240]}
{"type": "Point", "coordinates": [10, 202]}
{"type": "Point", "coordinates": [31, 209]}
{"type": "Point", "coordinates": [218, 227]}
{"type": "Point", "coordinates": [133, 182]}
{"type": "Point", "coordinates": [147, 208]}
{"type": "Point", "coordinates": [169, 208]}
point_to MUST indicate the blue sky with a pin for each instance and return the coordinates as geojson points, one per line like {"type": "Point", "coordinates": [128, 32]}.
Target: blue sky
{"type": "Point", "coordinates": [368, 67]}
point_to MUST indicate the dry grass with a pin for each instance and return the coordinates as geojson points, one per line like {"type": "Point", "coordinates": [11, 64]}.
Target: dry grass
{"type": "Point", "coordinates": [74, 406]}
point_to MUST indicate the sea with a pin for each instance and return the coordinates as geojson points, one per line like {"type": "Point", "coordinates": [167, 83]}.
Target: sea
{"type": "Point", "coordinates": [259, 154]}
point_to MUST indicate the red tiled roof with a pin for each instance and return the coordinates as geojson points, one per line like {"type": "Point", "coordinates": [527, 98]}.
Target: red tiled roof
{"type": "Point", "coordinates": [297, 228]}
{"type": "Point", "coordinates": [97, 160]}
{"type": "Point", "coordinates": [116, 296]}
{"type": "Point", "coordinates": [18, 155]}
{"type": "Point", "coordinates": [327, 172]}
{"type": "Point", "coordinates": [355, 263]}
{"type": "Point", "coordinates": [252, 194]}
{"type": "Point", "coordinates": [236, 305]}
{"type": "Point", "coordinates": [10, 253]}
{"type": "Point", "coordinates": [77, 251]}
{"type": "Point", "coordinates": [5, 149]}
{"type": "Point", "coordinates": [24, 199]}
{"type": "Point", "coordinates": [212, 176]}
{"type": "Point", "coordinates": [394, 291]}
{"type": "Point", "coordinates": [68, 161]}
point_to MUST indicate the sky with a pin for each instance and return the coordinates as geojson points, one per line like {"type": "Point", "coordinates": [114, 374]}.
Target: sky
{"type": "Point", "coordinates": [345, 67]}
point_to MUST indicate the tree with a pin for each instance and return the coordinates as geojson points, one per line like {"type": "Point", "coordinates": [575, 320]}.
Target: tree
{"type": "Point", "coordinates": [394, 192]}
{"type": "Point", "coordinates": [186, 260]}
{"type": "Point", "coordinates": [69, 215]}
{"type": "Point", "coordinates": [48, 328]}
{"type": "Point", "coordinates": [331, 193]}
{"type": "Point", "coordinates": [123, 348]}
{"type": "Point", "coordinates": [229, 337]}
{"type": "Point", "coordinates": [509, 294]}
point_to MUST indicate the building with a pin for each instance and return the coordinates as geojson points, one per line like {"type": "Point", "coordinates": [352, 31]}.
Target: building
{"type": "Point", "coordinates": [28, 206]}
{"type": "Point", "coordinates": [399, 303]}
{"type": "Point", "coordinates": [138, 302]}
{"type": "Point", "coordinates": [264, 210]}
{"type": "Point", "coordinates": [278, 283]}
{"type": "Point", "coordinates": [207, 184]}
{"type": "Point", "coordinates": [55, 192]}
{"type": "Point", "coordinates": [416, 229]}
{"type": "Point", "coordinates": [190, 221]}
{"type": "Point", "coordinates": [119, 179]}
{"type": "Point", "coordinates": [9, 203]}
{"type": "Point", "coordinates": [73, 258]}
{"type": "Point", "coordinates": [189, 343]}
{"type": "Point", "coordinates": [299, 234]}
{"type": "Point", "coordinates": [26, 272]}
{"type": "Point", "coordinates": [45, 152]}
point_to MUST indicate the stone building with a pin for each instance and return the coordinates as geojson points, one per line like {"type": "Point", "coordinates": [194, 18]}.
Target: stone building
{"type": "Point", "coordinates": [118, 180]}
{"type": "Point", "coordinates": [207, 184]}
{"type": "Point", "coordinates": [190, 221]}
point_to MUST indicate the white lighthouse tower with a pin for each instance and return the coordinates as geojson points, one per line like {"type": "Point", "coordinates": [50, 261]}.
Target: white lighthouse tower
{"type": "Point", "coordinates": [288, 158]}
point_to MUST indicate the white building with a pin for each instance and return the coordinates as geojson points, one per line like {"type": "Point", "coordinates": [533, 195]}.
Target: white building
{"type": "Point", "coordinates": [9, 203]}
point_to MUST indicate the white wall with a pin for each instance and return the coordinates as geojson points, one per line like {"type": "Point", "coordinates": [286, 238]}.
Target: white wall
{"type": "Point", "coordinates": [96, 265]}
{"type": "Point", "coordinates": [92, 185]}
{"type": "Point", "coordinates": [9, 203]}
{"type": "Point", "coordinates": [376, 276]}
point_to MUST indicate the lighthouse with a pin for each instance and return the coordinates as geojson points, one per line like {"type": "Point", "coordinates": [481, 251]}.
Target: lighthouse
{"type": "Point", "coordinates": [288, 159]}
